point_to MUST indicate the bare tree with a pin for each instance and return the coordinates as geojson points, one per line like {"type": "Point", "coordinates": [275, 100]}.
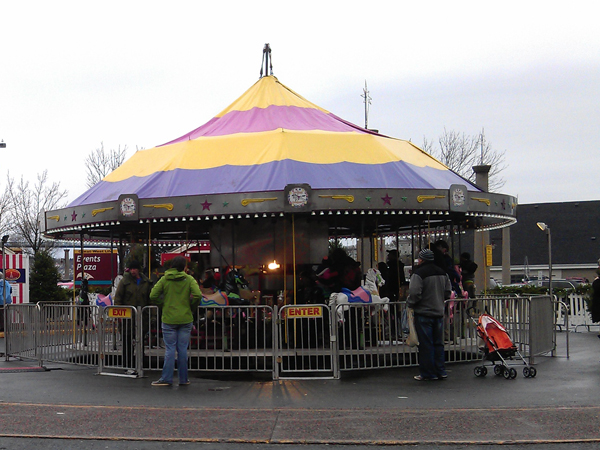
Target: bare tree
{"type": "Point", "coordinates": [27, 205]}
{"type": "Point", "coordinates": [5, 211]}
{"type": "Point", "coordinates": [460, 152]}
{"type": "Point", "coordinates": [100, 163]}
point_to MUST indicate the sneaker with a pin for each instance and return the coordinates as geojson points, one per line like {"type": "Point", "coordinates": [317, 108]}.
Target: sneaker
{"type": "Point", "coordinates": [420, 378]}
{"type": "Point", "coordinates": [443, 377]}
{"type": "Point", "coordinates": [184, 383]}
{"type": "Point", "coordinates": [160, 382]}
{"type": "Point", "coordinates": [130, 372]}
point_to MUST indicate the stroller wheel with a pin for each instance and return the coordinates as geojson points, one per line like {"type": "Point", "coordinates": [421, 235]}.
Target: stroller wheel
{"type": "Point", "coordinates": [480, 371]}
{"type": "Point", "coordinates": [513, 373]}
{"type": "Point", "coordinates": [532, 372]}
{"type": "Point", "coordinates": [526, 372]}
{"type": "Point", "coordinates": [506, 373]}
{"type": "Point", "coordinates": [498, 370]}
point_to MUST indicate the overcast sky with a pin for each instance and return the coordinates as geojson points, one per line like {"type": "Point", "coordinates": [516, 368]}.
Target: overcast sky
{"type": "Point", "coordinates": [75, 74]}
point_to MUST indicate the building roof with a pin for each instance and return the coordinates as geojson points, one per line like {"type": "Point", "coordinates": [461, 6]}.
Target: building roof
{"type": "Point", "coordinates": [574, 229]}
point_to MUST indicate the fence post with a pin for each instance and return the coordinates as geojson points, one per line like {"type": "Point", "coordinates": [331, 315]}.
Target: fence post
{"type": "Point", "coordinates": [275, 334]}
{"type": "Point", "coordinates": [37, 320]}
{"type": "Point", "coordinates": [6, 331]}
{"type": "Point", "coordinates": [333, 343]}
{"type": "Point", "coordinates": [139, 342]}
{"type": "Point", "coordinates": [101, 339]}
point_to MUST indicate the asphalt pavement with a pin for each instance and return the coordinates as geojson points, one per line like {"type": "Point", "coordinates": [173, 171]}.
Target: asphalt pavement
{"type": "Point", "coordinates": [69, 404]}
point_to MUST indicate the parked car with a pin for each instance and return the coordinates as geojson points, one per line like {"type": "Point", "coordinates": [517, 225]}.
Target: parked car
{"type": "Point", "coordinates": [556, 283]}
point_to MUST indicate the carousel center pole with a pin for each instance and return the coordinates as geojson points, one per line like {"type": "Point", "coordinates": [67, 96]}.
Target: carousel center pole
{"type": "Point", "coordinates": [294, 254]}
{"type": "Point", "coordinates": [149, 250]}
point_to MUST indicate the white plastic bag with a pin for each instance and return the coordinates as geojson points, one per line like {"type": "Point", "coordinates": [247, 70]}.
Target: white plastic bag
{"type": "Point", "coordinates": [412, 340]}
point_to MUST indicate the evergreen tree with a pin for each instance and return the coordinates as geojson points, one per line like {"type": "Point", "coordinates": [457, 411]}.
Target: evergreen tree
{"type": "Point", "coordinates": [43, 282]}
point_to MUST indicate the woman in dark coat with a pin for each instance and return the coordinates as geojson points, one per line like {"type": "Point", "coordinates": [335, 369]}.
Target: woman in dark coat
{"type": "Point", "coordinates": [595, 309]}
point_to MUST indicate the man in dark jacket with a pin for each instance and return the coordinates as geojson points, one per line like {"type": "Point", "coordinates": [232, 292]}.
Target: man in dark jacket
{"type": "Point", "coordinates": [595, 309]}
{"type": "Point", "coordinates": [429, 287]}
{"type": "Point", "coordinates": [133, 290]}
{"type": "Point", "coordinates": [394, 279]}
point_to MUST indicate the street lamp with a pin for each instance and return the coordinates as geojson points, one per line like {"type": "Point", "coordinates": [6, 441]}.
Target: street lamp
{"type": "Point", "coordinates": [542, 226]}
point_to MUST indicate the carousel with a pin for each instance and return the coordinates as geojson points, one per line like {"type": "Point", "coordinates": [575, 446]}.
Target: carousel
{"type": "Point", "coordinates": [270, 181]}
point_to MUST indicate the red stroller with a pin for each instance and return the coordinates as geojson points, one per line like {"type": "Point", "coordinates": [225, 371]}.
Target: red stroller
{"type": "Point", "coordinates": [499, 348]}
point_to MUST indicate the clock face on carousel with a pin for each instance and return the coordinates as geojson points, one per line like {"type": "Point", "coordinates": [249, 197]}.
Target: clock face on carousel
{"type": "Point", "coordinates": [127, 207]}
{"type": "Point", "coordinates": [458, 197]}
{"type": "Point", "coordinates": [298, 197]}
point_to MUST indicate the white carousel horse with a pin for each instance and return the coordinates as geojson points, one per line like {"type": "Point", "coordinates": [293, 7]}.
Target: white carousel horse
{"type": "Point", "coordinates": [369, 294]}
{"type": "Point", "coordinates": [373, 281]}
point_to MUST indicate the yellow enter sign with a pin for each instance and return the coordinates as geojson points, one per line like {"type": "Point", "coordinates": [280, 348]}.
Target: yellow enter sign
{"type": "Point", "coordinates": [304, 311]}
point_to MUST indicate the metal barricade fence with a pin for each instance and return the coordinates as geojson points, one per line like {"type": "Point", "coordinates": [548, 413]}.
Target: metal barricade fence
{"type": "Point", "coordinates": [295, 341]}
{"type": "Point", "coordinates": [120, 347]}
{"type": "Point", "coordinates": [530, 321]}
{"type": "Point", "coordinates": [60, 333]}
{"type": "Point", "coordinates": [67, 334]}
{"type": "Point", "coordinates": [373, 336]}
{"type": "Point", "coordinates": [303, 343]}
{"type": "Point", "coordinates": [21, 331]}
{"type": "Point", "coordinates": [151, 335]}
{"type": "Point", "coordinates": [542, 326]}
{"type": "Point", "coordinates": [224, 338]}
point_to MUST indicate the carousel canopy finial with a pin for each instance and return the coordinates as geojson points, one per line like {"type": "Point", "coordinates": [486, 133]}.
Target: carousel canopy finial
{"type": "Point", "coordinates": [267, 61]}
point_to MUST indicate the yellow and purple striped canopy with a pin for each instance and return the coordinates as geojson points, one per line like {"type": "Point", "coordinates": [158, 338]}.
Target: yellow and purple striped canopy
{"type": "Point", "coordinates": [269, 138]}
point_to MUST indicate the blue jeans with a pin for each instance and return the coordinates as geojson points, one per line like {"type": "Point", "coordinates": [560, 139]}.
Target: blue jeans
{"type": "Point", "coordinates": [430, 331]}
{"type": "Point", "coordinates": [177, 339]}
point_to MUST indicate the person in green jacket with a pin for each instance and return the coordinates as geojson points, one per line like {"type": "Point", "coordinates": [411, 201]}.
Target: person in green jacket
{"type": "Point", "coordinates": [179, 295]}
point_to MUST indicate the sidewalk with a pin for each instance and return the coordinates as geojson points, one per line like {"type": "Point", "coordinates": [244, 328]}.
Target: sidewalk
{"type": "Point", "coordinates": [374, 407]}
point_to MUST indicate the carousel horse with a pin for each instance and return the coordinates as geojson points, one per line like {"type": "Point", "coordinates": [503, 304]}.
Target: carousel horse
{"type": "Point", "coordinates": [360, 295]}
{"type": "Point", "coordinates": [373, 281]}
{"type": "Point", "coordinates": [238, 291]}
{"type": "Point", "coordinates": [216, 298]}
{"type": "Point", "coordinates": [101, 300]}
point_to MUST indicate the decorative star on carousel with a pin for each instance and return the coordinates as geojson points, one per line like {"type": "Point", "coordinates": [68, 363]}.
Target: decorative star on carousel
{"type": "Point", "coordinates": [368, 199]}
{"type": "Point", "coordinates": [206, 205]}
{"type": "Point", "coordinates": [387, 200]}
{"type": "Point", "coordinates": [188, 206]}
{"type": "Point", "coordinates": [225, 204]}
{"type": "Point", "coordinates": [73, 216]}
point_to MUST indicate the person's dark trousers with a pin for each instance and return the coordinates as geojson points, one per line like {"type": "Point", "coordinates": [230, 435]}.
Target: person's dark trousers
{"type": "Point", "coordinates": [128, 344]}
{"type": "Point", "coordinates": [1, 317]}
{"type": "Point", "coordinates": [430, 331]}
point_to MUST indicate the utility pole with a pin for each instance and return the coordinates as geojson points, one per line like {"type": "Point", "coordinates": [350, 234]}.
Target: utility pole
{"type": "Point", "coordinates": [367, 102]}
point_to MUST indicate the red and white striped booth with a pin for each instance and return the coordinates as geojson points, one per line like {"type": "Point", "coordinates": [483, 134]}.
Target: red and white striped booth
{"type": "Point", "coordinates": [17, 274]}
